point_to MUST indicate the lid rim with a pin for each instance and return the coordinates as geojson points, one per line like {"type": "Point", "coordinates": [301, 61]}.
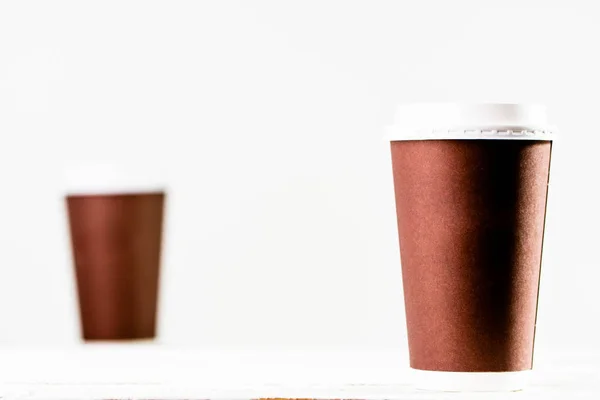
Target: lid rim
{"type": "Point", "coordinates": [473, 134]}
{"type": "Point", "coordinates": [115, 191]}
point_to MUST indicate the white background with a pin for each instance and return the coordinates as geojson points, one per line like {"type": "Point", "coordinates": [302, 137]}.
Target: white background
{"type": "Point", "coordinates": [268, 119]}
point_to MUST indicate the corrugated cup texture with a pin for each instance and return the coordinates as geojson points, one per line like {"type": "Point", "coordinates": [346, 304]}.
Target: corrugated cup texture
{"type": "Point", "coordinates": [116, 243]}
{"type": "Point", "coordinates": [471, 219]}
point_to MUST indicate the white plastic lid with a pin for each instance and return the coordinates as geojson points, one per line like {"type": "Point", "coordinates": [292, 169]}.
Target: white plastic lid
{"type": "Point", "coordinates": [110, 178]}
{"type": "Point", "coordinates": [430, 121]}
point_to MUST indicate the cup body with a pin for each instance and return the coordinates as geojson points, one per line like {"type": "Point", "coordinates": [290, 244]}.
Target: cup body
{"type": "Point", "coordinates": [116, 245]}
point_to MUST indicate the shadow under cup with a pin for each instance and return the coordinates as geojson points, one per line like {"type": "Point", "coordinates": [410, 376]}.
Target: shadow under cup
{"type": "Point", "coordinates": [116, 244]}
{"type": "Point", "coordinates": [471, 217]}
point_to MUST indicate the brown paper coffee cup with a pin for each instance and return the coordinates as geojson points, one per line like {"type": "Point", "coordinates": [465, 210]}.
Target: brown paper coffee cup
{"type": "Point", "coordinates": [115, 223]}
{"type": "Point", "coordinates": [471, 185]}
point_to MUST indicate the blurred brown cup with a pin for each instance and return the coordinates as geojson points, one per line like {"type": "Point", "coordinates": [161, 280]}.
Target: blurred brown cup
{"type": "Point", "coordinates": [116, 235]}
{"type": "Point", "coordinates": [471, 185]}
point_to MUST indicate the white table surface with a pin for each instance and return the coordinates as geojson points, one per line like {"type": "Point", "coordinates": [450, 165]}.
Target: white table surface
{"type": "Point", "coordinates": [162, 372]}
